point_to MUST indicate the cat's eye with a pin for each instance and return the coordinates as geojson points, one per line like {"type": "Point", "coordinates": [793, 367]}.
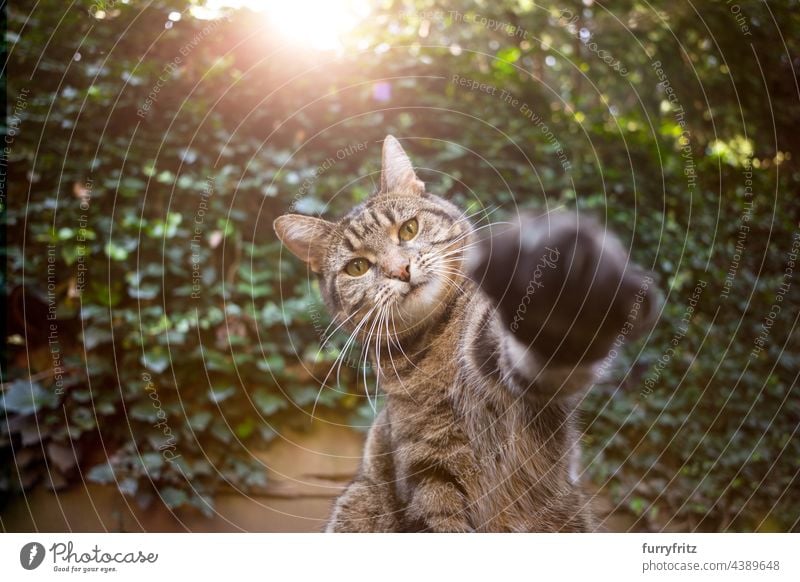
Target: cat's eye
{"type": "Point", "coordinates": [408, 229]}
{"type": "Point", "coordinates": [357, 267]}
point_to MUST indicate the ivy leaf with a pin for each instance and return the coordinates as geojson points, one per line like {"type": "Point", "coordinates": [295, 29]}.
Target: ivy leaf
{"type": "Point", "coordinates": [204, 503]}
{"type": "Point", "coordinates": [156, 360]}
{"type": "Point", "coordinates": [144, 411]}
{"type": "Point", "coordinates": [221, 431]}
{"type": "Point", "coordinates": [272, 314]}
{"type": "Point", "coordinates": [62, 456]}
{"type": "Point", "coordinates": [220, 394]}
{"type": "Point", "coordinates": [27, 397]}
{"type": "Point", "coordinates": [152, 462]}
{"type": "Point", "coordinates": [245, 428]}
{"type": "Point", "coordinates": [128, 486]}
{"type": "Point", "coordinates": [274, 363]}
{"type": "Point", "coordinates": [268, 403]}
{"type": "Point", "coordinates": [115, 252]}
{"type": "Point", "coordinates": [199, 420]}
{"type": "Point", "coordinates": [95, 335]}
{"type": "Point", "coordinates": [304, 395]}
{"type": "Point", "coordinates": [144, 291]}
{"type": "Point", "coordinates": [103, 473]}
{"type": "Point", "coordinates": [173, 497]}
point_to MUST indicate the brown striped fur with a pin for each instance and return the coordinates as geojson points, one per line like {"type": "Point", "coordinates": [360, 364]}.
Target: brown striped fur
{"type": "Point", "coordinates": [478, 432]}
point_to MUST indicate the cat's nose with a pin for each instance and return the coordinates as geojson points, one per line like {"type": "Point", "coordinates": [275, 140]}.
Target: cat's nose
{"type": "Point", "coordinates": [400, 270]}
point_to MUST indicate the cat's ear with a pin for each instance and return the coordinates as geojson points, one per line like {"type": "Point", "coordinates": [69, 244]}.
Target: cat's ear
{"type": "Point", "coordinates": [305, 236]}
{"type": "Point", "coordinates": [397, 173]}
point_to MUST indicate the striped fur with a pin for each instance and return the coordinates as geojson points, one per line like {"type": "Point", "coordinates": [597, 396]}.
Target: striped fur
{"type": "Point", "coordinates": [478, 432]}
{"type": "Point", "coordinates": [464, 442]}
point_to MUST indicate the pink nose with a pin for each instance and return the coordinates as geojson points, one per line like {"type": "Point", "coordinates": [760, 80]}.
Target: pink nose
{"type": "Point", "coordinates": [398, 270]}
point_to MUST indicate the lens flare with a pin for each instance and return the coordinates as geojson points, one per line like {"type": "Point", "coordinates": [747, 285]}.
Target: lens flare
{"type": "Point", "coordinates": [317, 24]}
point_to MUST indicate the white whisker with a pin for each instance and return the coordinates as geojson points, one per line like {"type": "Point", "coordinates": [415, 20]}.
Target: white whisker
{"type": "Point", "coordinates": [339, 359]}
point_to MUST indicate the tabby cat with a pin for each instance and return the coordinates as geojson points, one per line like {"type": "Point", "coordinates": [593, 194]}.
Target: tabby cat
{"type": "Point", "coordinates": [482, 346]}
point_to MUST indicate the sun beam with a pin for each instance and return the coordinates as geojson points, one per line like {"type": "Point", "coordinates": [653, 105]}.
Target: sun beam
{"type": "Point", "coordinates": [318, 24]}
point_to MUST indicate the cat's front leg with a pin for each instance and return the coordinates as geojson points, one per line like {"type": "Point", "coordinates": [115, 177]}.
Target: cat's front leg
{"type": "Point", "coordinates": [438, 506]}
{"type": "Point", "coordinates": [364, 507]}
{"type": "Point", "coordinates": [565, 289]}
{"type": "Point", "coordinates": [369, 503]}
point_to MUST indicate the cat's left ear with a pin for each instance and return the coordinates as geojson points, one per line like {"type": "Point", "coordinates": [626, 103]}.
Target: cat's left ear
{"type": "Point", "coordinates": [305, 236]}
{"type": "Point", "coordinates": [397, 173]}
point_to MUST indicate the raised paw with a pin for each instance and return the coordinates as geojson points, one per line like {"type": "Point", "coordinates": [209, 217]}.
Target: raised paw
{"type": "Point", "coordinates": [564, 286]}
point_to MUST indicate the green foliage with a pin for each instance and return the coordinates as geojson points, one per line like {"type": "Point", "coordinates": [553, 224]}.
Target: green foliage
{"type": "Point", "coordinates": [158, 208]}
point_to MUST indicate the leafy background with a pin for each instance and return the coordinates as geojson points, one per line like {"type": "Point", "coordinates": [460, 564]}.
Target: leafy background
{"type": "Point", "coordinates": [244, 125]}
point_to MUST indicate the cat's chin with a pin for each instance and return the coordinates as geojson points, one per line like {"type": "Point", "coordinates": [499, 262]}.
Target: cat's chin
{"type": "Point", "coordinates": [419, 305]}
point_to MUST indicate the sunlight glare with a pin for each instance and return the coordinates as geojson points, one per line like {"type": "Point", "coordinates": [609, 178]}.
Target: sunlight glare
{"type": "Point", "coordinates": [319, 24]}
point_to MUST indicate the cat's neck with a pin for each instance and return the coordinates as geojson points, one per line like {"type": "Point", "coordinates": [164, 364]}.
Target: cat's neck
{"type": "Point", "coordinates": [404, 353]}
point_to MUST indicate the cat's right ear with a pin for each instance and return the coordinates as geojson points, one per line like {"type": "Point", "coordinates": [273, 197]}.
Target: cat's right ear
{"type": "Point", "coordinates": [305, 236]}
{"type": "Point", "coordinates": [397, 173]}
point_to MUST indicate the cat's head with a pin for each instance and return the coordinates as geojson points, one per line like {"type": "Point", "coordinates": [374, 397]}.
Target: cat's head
{"type": "Point", "coordinates": [394, 262]}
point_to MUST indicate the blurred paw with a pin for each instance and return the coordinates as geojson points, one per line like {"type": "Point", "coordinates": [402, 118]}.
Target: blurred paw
{"type": "Point", "coordinates": [564, 286]}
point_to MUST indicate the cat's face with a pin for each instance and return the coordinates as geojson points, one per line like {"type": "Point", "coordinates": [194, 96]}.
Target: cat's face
{"type": "Point", "coordinates": [398, 253]}
{"type": "Point", "coordinates": [393, 262]}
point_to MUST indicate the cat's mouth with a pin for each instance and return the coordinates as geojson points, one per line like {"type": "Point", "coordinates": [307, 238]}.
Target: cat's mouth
{"type": "Point", "coordinates": [417, 297]}
{"type": "Point", "coordinates": [415, 290]}
{"type": "Point", "coordinates": [406, 289]}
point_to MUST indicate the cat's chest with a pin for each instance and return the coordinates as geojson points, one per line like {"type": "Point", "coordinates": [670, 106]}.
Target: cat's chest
{"type": "Point", "coordinates": [431, 370]}
{"type": "Point", "coordinates": [521, 461]}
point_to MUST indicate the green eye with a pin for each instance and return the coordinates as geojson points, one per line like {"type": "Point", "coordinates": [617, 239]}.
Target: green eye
{"type": "Point", "coordinates": [357, 267]}
{"type": "Point", "coordinates": [408, 229]}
